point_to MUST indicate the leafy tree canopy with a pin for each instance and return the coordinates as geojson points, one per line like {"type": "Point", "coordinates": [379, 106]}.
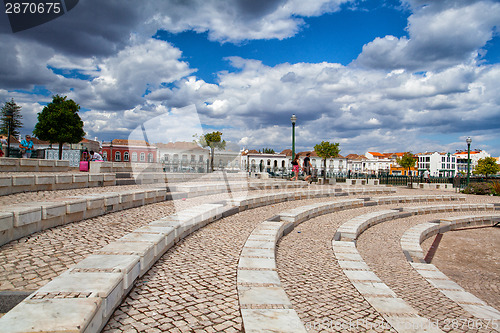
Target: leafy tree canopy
{"type": "Point", "coordinates": [407, 161]}
{"type": "Point", "coordinates": [326, 150]}
{"type": "Point", "coordinates": [212, 140]}
{"type": "Point", "coordinates": [268, 151]}
{"type": "Point", "coordinates": [16, 122]}
{"type": "Point", "coordinates": [60, 123]}
{"type": "Point", "coordinates": [487, 166]}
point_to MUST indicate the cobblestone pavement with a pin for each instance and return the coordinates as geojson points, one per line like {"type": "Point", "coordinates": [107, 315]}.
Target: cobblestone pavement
{"type": "Point", "coordinates": [50, 195]}
{"type": "Point", "coordinates": [470, 258]}
{"type": "Point", "coordinates": [30, 262]}
{"type": "Point", "coordinates": [192, 288]}
{"type": "Point", "coordinates": [322, 295]}
{"type": "Point", "coordinates": [381, 250]}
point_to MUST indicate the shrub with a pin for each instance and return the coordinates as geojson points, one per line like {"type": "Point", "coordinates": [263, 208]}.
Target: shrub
{"type": "Point", "coordinates": [478, 188]}
{"type": "Point", "coordinates": [495, 188]}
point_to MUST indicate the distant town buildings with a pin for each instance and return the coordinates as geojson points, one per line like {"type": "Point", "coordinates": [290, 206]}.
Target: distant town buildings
{"type": "Point", "coordinates": [119, 150]}
{"type": "Point", "coordinates": [190, 157]}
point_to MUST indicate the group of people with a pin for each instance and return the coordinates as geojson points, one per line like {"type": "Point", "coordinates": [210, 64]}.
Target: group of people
{"type": "Point", "coordinates": [306, 167]}
{"type": "Point", "coordinates": [26, 146]}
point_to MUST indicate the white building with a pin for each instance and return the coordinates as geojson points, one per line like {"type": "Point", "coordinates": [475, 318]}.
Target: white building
{"type": "Point", "coordinates": [183, 157]}
{"type": "Point", "coordinates": [252, 160]}
{"type": "Point", "coordinates": [438, 164]}
{"type": "Point", "coordinates": [228, 158]}
{"type": "Point", "coordinates": [475, 155]}
{"type": "Point", "coordinates": [377, 163]}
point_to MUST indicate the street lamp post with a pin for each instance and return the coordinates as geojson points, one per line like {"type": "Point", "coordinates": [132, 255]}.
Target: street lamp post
{"type": "Point", "coordinates": [9, 114]}
{"type": "Point", "coordinates": [294, 119]}
{"type": "Point", "coordinates": [468, 140]}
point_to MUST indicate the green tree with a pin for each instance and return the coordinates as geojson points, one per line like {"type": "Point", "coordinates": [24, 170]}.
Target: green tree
{"type": "Point", "coordinates": [268, 151]}
{"type": "Point", "coordinates": [407, 161]}
{"type": "Point", "coordinates": [16, 118]}
{"type": "Point", "coordinates": [326, 150]}
{"type": "Point", "coordinates": [487, 166]}
{"type": "Point", "coordinates": [212, 140]}
{"type": "Point", "coordinates": [60, 123]}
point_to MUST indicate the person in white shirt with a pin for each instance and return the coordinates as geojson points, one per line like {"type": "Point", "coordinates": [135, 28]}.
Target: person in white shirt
{"type": "Point", "coordinates": [95, 156]}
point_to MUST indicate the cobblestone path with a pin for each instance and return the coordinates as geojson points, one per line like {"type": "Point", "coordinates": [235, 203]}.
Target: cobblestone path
{"type": "Point", "coordinates": [192, 288]}
{"type": "Point", "coordinates": [322, 295]}
{"type": "Point", "coordinates": [32, 261]}
{"type": "Point", "coordinates": [380, 248]}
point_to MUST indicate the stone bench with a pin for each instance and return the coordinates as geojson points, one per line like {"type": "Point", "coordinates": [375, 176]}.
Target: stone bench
{"type": "Point", "coordinates": [20, 220]}
{"type": "Point", "coordinates": [351, 229]}
{"type": "Point", "coordinates": [417, 198]}
{"type": "Point", "coordinates": [396, 311]}
{"type": "Point", "coordinates": [432, 186]}
{"type": "Point", "coordinates": [95, 286]}
{"type": "Point", "coordinates": [411, 245]}
{"type": "Point", "coordinates": [449, 208]}
{"type": "Point", "coordinates": [413, 237]}
{"type": "Point", "coordinates": [264, 305]}
{"type": "Point", "coordinates": [9, 164]}
{"type": "Point", "coordinates": [83, 298]}
{"type": "Point", "coordinates": [50, 182]}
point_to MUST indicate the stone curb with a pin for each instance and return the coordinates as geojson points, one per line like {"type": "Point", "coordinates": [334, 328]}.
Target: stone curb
{"type": "Point", "coordinates": [10, 164]}
{"type": "Point", "coordinates": [410, 242]}
{"type": "Point", "coordinates": [24, 219]}
{"type": "Point", "coordinates": [264, 305]}
{"type": "Point", "coordinates": [115, 267]}
{"type": "Point", "coordinates": [399, 314]}
{"type": "Point", "coordinates": [413, 237]}
{"type": "Point", "coordinates": [64, 181]}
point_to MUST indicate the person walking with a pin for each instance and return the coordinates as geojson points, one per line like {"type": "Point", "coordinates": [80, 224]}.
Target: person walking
{"type": "Point", "coordinates": [426, 176]}
{"type": "Point", "coordinates": [295, 168]}
{"type": "Point", "coordinates": [26, 146]}
{"type": "Point", "coordinates": [307, 168]}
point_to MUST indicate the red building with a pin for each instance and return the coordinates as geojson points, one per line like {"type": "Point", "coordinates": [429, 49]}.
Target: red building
{"type": "Point", "coordinates": [138, 151]}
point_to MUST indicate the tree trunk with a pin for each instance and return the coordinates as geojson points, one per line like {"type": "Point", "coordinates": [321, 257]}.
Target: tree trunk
{"type": "Point", "coordinates": [60, 150]}
{"type": "Point", "coordinates": [324, 171]}
{"type": "Point", "coordinates": [212, 150]}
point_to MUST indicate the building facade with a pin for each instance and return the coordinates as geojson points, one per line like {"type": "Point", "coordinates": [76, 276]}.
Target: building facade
{"type": "Point", "coordinates": [438, 164]}
{"type": "Point", "coordinates": [252, 160]}
{"type": "Point", "coordinates": [475, 155]}
{"type": "Point", "coordinates": [183, 157]}
{"type": "Point", "coordinates": [137, 151]}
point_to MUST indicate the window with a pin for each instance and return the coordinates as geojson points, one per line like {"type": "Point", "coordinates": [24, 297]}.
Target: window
{"type": "Point", "coordinates": [184, 158]}
{"type": "Point", "coordinates": [176, 157]}
{"type": "Point", "coordinates": [105, 155]}
{"type": "Point", "coordinates": [150, 158]}
{"type": "Point", "coordinates": [134, 157]}
{"type": "Point", "coordinates": [443, 159]}
{"type": "Point", "coordinates": [201, 158]}
{"type": "Point", "coordinates": [126, 156]}
{"type": "Point", "coordinates": [165, 157]}
{"type": "Point", "coordinates": [143, 157]}
{"type": "Point", "coordinates": [118, 156]}
{"type": "Point", "coordinates": [192, 158]}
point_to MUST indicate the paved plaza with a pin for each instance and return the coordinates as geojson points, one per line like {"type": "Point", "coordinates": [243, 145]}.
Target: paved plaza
{"type": "Point", "coordinates": [212, 274]}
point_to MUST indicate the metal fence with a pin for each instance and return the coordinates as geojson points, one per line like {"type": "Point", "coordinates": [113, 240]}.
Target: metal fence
{"type": "Point", "coordinates": [387, 179]}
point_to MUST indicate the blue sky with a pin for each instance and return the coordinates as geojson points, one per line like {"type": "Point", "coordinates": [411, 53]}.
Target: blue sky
{"type": "Point", "coordinates": [334, 37]}
{"type": "Point", "coordinates": [384, 76]}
